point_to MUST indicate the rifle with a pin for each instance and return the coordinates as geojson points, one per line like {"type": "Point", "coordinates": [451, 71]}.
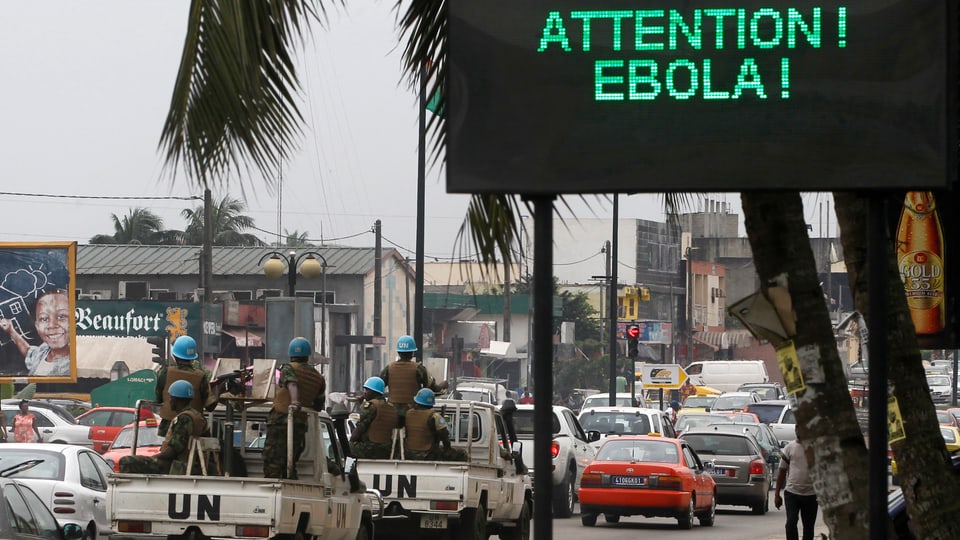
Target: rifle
{"type": "Point", "coordinates": [234, 379]}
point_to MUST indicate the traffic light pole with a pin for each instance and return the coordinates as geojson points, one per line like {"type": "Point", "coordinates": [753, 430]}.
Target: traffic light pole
{"type": "Point", "coordinates": [612, 272]}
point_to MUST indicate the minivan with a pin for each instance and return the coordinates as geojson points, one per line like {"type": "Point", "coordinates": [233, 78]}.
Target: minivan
{"type": "Point", "coordinates": [727, 375]}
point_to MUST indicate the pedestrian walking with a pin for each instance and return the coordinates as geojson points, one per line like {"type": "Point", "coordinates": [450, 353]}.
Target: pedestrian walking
{"type": "Point", "coordinates": [801, 500]}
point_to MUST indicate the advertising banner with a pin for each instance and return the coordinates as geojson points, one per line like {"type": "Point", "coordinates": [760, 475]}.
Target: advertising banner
{"type": "Point", "coordinates": [924, 230]}
{"type": "Point", "coordinates": [124, 318]}
{"type": "Point", "coordinates": [37, 312]}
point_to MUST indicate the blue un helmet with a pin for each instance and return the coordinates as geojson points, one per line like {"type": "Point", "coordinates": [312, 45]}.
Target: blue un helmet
{"type": "Point", "coordinates": [184, 348]}
{"type": "Point", "coordinates": [424, 397]}
{"type": "Point", "coordinates": [181, 389]}
{"type": "Point", "coordinates": [406, 344]}
{"type": "Point", "coordinates": [375, 384]}
{"type": "Point", "coordinates": [299, 347]}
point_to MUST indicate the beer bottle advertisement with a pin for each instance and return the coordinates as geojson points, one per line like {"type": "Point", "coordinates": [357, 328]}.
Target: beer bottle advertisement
{"type": "Point", "coordinates": [921, 261]}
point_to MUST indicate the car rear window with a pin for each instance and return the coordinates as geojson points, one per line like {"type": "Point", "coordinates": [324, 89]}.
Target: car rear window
{"type": "Point", "coordinates": [719, 445]}
{"type": "Point", "coordinates": [616, 422]}
{"type": "Point", "coordinates": [523, 423]}
{"type": "Point", "coordinates": [23, 463]}
{"type": "Point", "coordinates": [768, 414]}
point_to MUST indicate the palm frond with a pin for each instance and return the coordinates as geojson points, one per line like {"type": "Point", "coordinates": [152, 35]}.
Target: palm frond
{"type": "Point", "coordinates": [234, 100]}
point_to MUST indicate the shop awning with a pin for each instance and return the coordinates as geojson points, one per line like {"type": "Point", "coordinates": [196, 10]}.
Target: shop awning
{"type": "Point", "coordinates": [723, 340]}
{"type": "Point", "coordinates": [244, 337]}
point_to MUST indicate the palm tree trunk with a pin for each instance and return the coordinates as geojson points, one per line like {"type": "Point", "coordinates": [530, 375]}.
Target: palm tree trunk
{"type": "Point", "coordinates": [826, 422]}
{"type": "Point", "coordinates": [929, 484]}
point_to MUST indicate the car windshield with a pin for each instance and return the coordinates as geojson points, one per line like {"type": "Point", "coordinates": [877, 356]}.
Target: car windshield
{"type": "Point", "coordinates": [147, 436]}
{"type": "Point", "coordinates": [604, 401]}
{"type": "Point", "coordinates": [699, 401]}
{"type": "Point", "coordinates": [688, 421]}
{"type": "Point", "coordinates": [719, 445]}
{"type": "Point", "coordinates": [768, 414]}
{"type": "Point", "coordinates": [939, 380]}
{"type": "Point", "coordinates": [728, 403]}
{"type": "Point", "coordinates": [523, 423]}
{"type": "Point", "coordinates": [22, 463]}
{"type": "Point", "coordinates": [766, 392]}
{"type": "Point", "coordinates": [637, 450]}
{"type": "Point", "coordinates": [621, 423]}
{"type": "Point", "coordinates": [473, 395]}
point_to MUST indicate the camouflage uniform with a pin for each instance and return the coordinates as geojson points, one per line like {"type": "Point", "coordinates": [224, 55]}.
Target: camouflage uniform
{"type": "Point", "coordinates": [406, 382]}
{"type": "Point", "coordinates": [425, 431]}
{"type": "Point", "coordinates": [188, 423]}
{"type": "Point", "coordinates": [183, 370]}
{"type": "Point", "coordinates": [311, 387]}
{"type": "Point", "coordinates": [376, 423]}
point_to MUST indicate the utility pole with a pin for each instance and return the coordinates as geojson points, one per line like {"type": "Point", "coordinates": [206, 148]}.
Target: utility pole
{"type": "Point", "coordinates": [207, 258]}
{"type": "Point", "coordinates": [377, 295]}
{"type": "Point", "coordinates": [421, 181]}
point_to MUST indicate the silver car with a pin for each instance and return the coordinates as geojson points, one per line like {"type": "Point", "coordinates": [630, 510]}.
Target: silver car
{"type": "Point", "coordinates": [741, 473]}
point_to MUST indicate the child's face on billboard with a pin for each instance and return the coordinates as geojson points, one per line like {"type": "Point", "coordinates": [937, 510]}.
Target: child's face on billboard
{"type": "Point", "coordinates": [53, 320]}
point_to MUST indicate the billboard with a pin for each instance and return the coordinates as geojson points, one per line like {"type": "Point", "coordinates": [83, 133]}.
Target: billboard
{"type": "Point", "coordinates": [568, 96]}
{"type": "Point", "coordinates": [925, 226]}
{"type": "Point", "coordinates": [650, 331]}
{"type": "Point", "coordinates": [37, 300]}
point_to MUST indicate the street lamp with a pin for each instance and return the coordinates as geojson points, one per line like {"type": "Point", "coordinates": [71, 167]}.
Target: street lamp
{"type": "Point", "coordinates": [309, 268]}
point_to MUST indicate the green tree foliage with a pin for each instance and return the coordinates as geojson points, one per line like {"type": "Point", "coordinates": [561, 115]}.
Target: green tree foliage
{"type": "Point", "coordinates": [138, 226]}
{"type": "Point", "coordinates": [229, 224]}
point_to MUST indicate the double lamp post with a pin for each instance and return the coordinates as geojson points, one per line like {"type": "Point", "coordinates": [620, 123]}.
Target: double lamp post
{"type": "Point", "coordinates": [307, 265]}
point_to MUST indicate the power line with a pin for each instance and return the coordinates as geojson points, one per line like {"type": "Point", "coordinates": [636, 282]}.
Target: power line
{"type": "Point", "coordinates": [104, 197]}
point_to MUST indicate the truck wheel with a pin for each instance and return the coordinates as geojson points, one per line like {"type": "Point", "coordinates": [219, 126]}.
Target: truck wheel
{"type": "Point", "coordinates": [563, 501]}
{"type": "Point", "coordinates": [522, 530]}
{"type": "Point", "coordinates": [588, 520]}
{"type": "Point", "coordinates": [473, 524]}
{"type": "Point", "coordinates": [611, 518]}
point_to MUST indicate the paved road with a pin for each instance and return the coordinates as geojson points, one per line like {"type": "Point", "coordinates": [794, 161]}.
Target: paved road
{"type": "Point", "coordinates": [733, 523]}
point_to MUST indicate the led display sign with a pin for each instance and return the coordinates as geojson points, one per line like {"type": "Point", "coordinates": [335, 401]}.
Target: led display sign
{"type": "Point", "coordinates": [568, 96]}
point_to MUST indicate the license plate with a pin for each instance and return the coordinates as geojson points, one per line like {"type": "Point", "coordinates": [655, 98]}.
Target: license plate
{"type": "Point", "coordinates": [718, 471]}
{"type": "Point", "coordinates": [433, 521]}
{"type": "Point", "coordinates": [629, 480]}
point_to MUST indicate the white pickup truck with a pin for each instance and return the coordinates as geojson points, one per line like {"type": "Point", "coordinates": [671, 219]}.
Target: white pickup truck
{"type": "Point", "coordinates": [491, 493]}
{"type": "Point", "coordinates": [326, 503]}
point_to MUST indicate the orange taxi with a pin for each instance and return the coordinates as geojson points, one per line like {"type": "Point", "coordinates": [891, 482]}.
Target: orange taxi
{"type": "Point", "coordinates": [647, 476]}
{"type": "Point", "coordinates": [148, 443]}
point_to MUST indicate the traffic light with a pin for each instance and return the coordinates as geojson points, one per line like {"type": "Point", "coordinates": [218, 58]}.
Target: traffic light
{"type": "Point", "coordinates": [633, 342]}
{"type": "Point", "coordinates": [159, 350]}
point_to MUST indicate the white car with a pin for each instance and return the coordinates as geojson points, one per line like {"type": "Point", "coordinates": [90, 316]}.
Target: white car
{"type": "Point", "coordinates": [623, 399]}
{"type": "Point", "coordinates": [53, 427]}
{"type": "Point", "coordinates": [70, 480]}
{"type": "Point", "coordinates": [613, 421]}
{"type": "Point", "coordinates": [570, 450]}
{"type": "Point", "coordinates": [941, 388]}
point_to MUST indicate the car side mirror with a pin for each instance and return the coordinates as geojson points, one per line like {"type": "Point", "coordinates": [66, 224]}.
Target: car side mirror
{"type": "Point", "coordinates": [72, 531]}
{"type": "Point", "coordinates": [783, 444]}
{"type": "Point", "coordinates": [708, 466]}
{"type": "Point", "coordinates": [593, 435]}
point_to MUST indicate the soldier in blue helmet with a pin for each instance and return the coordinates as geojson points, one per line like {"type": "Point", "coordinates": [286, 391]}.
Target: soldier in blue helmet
{"type": "Point", "coordinates": [184, 352]}
{"type": "Point", "coordinates": [405, 376]}
{"type": "Point", "coordinates": [426, 431]}
{"type": "Point", "coordinates": [299, 384]}
{"type": "Point", "coordinates": [372, 437]}
{"type": "Point", "coordinates": [174, 452]}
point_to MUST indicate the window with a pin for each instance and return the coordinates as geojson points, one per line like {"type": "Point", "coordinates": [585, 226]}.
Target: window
{"type": "Point", "coordinates": [46, 524]}
{"type": "Point", "coordinates": [96, 418]}
{"type": "Point", "coordinates": [20, 517]}
{"type": "Point", "coordinates": [89, 474]}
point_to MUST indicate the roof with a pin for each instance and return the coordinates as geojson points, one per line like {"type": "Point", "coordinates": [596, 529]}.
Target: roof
{"type": "Point", "coordinates": [95, 259]}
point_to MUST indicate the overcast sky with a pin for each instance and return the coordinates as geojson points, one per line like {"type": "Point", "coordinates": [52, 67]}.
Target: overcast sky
{"type": "Point", "coordinates": [87, 86]}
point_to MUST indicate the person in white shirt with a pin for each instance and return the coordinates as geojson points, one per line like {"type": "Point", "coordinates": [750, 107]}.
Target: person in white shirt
{"type": "Point", "coordinates": [800, 497]}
